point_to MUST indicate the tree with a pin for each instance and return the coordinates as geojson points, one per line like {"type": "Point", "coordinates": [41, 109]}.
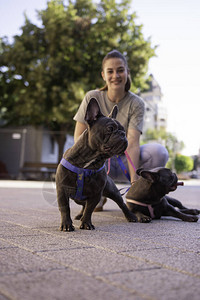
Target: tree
{"type": "Point", "coordinates": [171, 142]}
{"type": "Point", "coordinates": [183, 163]}
{"type": "Point", "coordinates": [46, 70]}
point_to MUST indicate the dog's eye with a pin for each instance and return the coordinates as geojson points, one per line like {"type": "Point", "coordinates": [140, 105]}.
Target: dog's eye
{"type": "Point", "coordinates": [110, 129]}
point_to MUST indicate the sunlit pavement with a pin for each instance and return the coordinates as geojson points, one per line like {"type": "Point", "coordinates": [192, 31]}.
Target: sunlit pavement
{"type": "Point", "coordinates": [117, 260]}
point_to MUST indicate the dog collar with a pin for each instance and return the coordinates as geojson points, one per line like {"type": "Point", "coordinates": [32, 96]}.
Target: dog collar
{"type": "Point", "coordinates": [150, 208]}
{"type": "Point", "coordinates": [81, 173]}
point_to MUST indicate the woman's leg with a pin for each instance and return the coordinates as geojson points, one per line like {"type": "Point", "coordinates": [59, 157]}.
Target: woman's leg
{"type": "Point", "coordinates": [153, 155]}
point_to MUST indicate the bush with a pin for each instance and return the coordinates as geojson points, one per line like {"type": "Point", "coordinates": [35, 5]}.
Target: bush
{"type": "Point", "coordinates": [183, 163]}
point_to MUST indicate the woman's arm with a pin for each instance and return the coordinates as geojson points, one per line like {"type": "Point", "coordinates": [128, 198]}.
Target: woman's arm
{"type": "Point", "coordinates": [79, 128]}
{"type": "Point", "coordinates": [133, 150]}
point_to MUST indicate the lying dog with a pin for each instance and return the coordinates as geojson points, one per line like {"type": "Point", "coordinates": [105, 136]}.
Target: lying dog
{"type": "Point", "coordinates": [81, 174]}
{"type": "Point", "coordinates": [146, 197]}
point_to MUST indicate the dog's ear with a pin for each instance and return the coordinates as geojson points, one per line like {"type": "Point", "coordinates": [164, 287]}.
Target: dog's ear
{"type": "Point", "coordinates": [150, 176]}
{"type": "Point", "coordinates": [93, 111]}
{"type": "Point", "coordinates": [138, 171]}
{"type": "Point", "coordinates": [114, 112]}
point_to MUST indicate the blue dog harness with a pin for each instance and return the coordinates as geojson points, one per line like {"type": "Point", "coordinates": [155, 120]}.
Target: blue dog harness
{"type": "Point", "coordinates": [81, 174]}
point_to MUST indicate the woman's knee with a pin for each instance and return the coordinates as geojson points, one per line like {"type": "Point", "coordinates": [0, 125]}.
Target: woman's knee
{"type": "Point", "coordinates": [153, 155]}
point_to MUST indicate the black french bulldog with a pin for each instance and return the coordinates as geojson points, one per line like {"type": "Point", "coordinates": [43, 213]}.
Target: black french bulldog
{"type": "Point", "coordinates": [81, 174]}
{"type": "Point", "coordinates": [147, 197]}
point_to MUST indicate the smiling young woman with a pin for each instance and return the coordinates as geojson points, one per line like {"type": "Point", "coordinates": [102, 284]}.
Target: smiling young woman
{"type": "Point", "coordinates": [115, 73]}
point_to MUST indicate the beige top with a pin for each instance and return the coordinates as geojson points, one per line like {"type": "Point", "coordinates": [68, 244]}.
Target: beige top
{"type": "Point", "coordinates": [131, 109]}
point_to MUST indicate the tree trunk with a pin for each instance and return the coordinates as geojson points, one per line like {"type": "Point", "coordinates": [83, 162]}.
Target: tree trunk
{"type": "Point", "coordinates": [61, 139]}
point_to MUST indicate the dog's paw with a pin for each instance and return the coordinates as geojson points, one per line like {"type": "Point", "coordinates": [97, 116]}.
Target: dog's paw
{"type": "Point", "coordinates": [143, 218]}
{"type": "Point", "coordinates": [195, 211]}
{"type": "Point", "coordinates": [191, 218]}
{"type": "Point", "coordinates": [87, 226]}
{"type": "Point", "coordinates": [67, 227]}
{"type": "Point", "coordinates": [131, 217]}
{"type": "Point", "coordinates": [191, 211]}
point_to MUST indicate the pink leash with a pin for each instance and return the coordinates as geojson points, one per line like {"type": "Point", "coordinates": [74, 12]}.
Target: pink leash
{"type": "Point", "coordinates": [108, 166]}
{"type": "Point", "coordinates": [150, 208]}
{"type": "Point", "coordinates": [128, 157]}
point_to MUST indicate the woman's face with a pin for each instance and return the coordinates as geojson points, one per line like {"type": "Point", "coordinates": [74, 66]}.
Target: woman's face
{"type": "Point", "coordinates": [115, 74]}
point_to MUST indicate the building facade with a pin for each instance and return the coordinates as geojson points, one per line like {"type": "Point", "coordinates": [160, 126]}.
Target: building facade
{"type": "Point", "coordinates": [20, 145]}
{"type": "Point", "coordinates": [155, 112]}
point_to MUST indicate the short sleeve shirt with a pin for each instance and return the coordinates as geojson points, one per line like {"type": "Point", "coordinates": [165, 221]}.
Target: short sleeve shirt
{"type": "Point", "coordinates": [130, 109]}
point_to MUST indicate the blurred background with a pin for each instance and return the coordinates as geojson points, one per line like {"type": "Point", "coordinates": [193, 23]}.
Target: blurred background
{"type": "Point", "coordinates": [51, 53]}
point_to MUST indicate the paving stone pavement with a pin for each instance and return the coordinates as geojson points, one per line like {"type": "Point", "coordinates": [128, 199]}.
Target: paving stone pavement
{"type": "Point", "coordinates": [116, 261]}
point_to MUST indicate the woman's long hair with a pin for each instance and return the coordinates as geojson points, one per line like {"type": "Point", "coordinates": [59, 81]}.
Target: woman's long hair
{"type": "Point", "coordinates": [116, 54]}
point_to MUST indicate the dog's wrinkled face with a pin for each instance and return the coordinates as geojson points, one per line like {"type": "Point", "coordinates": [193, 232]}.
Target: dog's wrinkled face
{"type": "Point", "coordinates": [105, 134]}
{"type": "Point", "coordinates": [152, 185]}
{"type": "Point", "coordinates": [163, 177]}
{"type": "Point", "coordinates": [111, 138]}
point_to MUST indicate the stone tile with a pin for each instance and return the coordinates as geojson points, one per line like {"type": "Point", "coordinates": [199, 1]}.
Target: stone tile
{"type": "Point", "coordinates": [159, 284]}
{"type": "Point", "coordinates": [183, 261]}
{"type": "Point", "coordinates": [63, 284]}
{"type": "Point", "coordinates": [14, 260]}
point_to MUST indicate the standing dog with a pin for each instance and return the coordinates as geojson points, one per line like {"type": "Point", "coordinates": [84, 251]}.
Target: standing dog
{"type": "Point", "coordinates": [147, 197]}
{"type": "Point", "coordinates": [81, 174]}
